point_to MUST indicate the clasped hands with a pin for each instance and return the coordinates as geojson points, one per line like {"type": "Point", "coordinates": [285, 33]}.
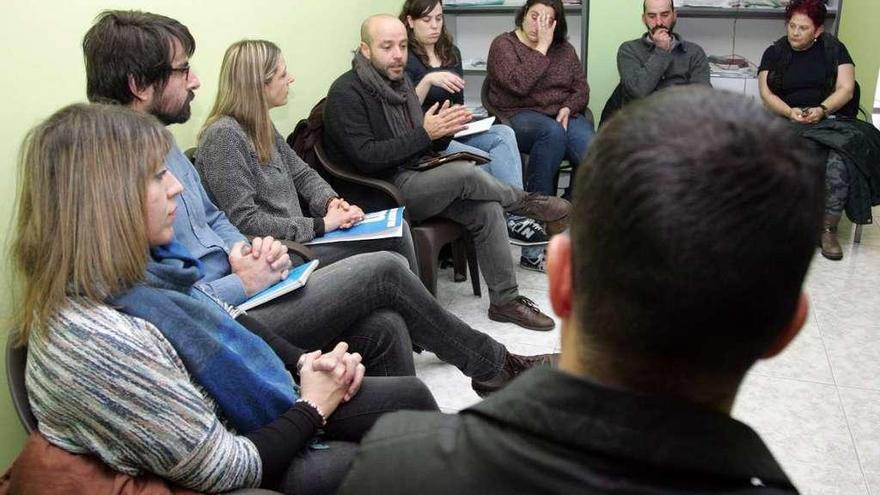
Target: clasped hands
{"type": "Point", "coordinates": [806, 115]}
{"type": "Point", "coordinates": [329, 379]}
{"type": "Point", "coordinates": [341, 215]}
{"type": "Point", "coordinates": [262, 263]}
{"type": "Point", "coordinates": [662, 38]}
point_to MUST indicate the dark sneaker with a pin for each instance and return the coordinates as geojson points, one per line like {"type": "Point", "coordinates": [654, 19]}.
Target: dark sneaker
{"type": "Point", "coordinates": [514, 364]}
{"type": "Point", "coordinates": [542, 208]}
{"type": "Point", "coordinates": [526, 232]}
{"type": "Point", "coordinates": [533, 264]}
{"type": "Point", "coordinates": [521, 311]}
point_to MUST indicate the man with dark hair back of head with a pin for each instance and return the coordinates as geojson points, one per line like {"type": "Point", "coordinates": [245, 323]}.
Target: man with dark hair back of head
{"type": "Point", "coordinates": [666, 301]}
{"type": "Point", "coordinates": [658, 59]}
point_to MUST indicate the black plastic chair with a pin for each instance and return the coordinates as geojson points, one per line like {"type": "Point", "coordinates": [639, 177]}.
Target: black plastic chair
{"type": "Point", "coordinates": [16, 359]}
{"type": "Point", "coordinates": [429, 236]}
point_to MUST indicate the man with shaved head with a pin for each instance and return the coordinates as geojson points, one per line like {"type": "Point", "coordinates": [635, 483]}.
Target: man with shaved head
{"type": "Point", "coordinates": [657, 60]}
{"type": "Point", "coordinates": [374, 122]}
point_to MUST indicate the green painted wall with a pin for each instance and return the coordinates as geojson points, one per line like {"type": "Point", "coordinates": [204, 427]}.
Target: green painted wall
{"type": "Point", "coordinates": [611, 23]}
{"type": "Point", "coordinates": [42, 70]}
{"type": "Point", "coordinates": [858, 30]}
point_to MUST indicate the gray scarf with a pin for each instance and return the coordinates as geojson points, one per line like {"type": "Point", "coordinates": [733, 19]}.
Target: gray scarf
{"type": "Point", "coordinates": [403, 113]}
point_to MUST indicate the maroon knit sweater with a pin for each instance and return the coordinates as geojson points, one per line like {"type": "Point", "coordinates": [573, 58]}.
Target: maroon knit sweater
{"type": "Point", "coordinates": [521, 78]}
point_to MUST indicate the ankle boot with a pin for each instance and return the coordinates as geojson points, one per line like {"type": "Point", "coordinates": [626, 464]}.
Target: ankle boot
{"type": "Point", "coordinates": [830, 246]}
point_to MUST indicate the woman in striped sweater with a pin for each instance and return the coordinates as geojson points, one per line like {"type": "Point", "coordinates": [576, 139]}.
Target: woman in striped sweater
{"type": "Point", "coordinates": [129, 362]}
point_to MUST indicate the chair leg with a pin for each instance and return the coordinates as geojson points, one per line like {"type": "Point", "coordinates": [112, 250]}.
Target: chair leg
{"type": "Point", "coordinates": [459, 260]}
{"type": "Point", "coordinates": [858, 238]}
{"type": "Point", "coordinates": [473, 266]}
{"type": "Point", "coordinates": [556, 183]}
{"type": "Point", "coordinates": [427, 254]}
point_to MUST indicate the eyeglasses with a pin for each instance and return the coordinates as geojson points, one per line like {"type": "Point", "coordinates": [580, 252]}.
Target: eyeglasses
{"type": "Point", "coordinates": [183, 70]}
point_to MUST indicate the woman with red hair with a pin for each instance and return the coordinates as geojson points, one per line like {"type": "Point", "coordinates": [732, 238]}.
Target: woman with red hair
{"type": "Point", "coordinates": [808, 77]}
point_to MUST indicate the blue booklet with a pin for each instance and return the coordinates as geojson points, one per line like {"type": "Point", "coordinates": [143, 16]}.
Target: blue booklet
{"type": "Point", "coordinates": [376, 225]}
{"type": "Point", "coordinates": [295, 279]}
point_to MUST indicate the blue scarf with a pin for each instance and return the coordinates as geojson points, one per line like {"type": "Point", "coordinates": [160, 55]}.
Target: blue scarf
{"type": "Point", "coordinates": [237, 368]}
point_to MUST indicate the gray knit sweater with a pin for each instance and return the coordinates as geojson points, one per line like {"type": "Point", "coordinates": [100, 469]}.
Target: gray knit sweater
{"type": "Point", "coordinates": [261, 198]}
{"type": "Point", "coordinates": [111, 385]}
{"type": "Point", "coordinates": [645, 69]}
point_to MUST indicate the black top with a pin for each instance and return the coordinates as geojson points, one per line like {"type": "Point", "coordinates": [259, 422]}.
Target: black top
{"type": "Point", "coordinates": [803, 85]}
{"type": "Point", "coordinates": [418, 70]}
{"type": "Point", "coordinates": [357, 134]}
{"type": "Point", "coordinates": [278, 442]}
{"type": "Point", "coordinates": [550, 432]}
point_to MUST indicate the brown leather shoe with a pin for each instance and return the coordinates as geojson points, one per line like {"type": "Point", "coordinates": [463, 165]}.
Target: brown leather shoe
{"type": "Point", "coordinates": [830, 245]}
{"type": "Point", "coordinates": [514, 364]}
{"type": "Point", "coordinates": [521, 311]}
{"type": "Point", "coordinates": [542, 208]}
{"type": "Point", "coordinates": [556, 227]}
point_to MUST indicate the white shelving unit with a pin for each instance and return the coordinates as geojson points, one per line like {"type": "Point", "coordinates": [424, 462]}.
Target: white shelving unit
{"type": "Point", "coordinates": [743, 31]}
{"type": "Point", "coordinates": [473, 27]}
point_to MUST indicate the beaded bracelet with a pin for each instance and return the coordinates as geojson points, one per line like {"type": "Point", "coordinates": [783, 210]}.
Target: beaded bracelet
{"type": "Point", "coordinates": [316, 408]}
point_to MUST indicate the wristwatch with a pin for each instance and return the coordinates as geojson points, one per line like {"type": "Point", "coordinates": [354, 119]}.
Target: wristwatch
{"type": "Point", "coordinates": [824, 110]}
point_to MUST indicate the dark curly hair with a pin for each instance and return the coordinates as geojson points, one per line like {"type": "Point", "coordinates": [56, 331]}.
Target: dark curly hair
{"type": "Point", "coordinates": [814, 9]}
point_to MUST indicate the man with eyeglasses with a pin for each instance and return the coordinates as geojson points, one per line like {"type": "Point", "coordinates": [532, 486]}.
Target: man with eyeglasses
{"type": "Point", "coordinates": [128, 61]}
{"type": "Point", "coordinates": [371, 301]}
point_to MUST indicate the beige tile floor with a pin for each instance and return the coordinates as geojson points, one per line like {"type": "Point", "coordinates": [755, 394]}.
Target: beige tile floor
{"type": "Point", "coordinates": [817, 405]}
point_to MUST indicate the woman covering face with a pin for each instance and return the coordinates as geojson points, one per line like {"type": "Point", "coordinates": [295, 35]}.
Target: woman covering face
{"type": "Point", "coordinates": [537, 82]}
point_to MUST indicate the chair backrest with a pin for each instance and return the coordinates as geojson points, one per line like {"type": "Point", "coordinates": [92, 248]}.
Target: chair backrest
{"type": "Point", "coordinates": [875, 114]}
{"type": "Point", "coordinates": [614, 103]}
{"type": "Point", "coordinates": [191, 154]}
{"type": "Point", "coordinates": [306, 136]}
{"type": "Point", "coordinates": [358, 188]}
{"type": "Point", "coordinates": [484, 99]}
{"type": "Point", "coordinates": [16, 359]}
{"type": "Point", "coordinates": [851, 109]}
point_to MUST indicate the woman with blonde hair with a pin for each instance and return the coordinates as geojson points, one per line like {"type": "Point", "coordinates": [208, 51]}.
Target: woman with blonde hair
{"type": "Point", "coordinates": [129, 362]}
{"type": "Point", "coordinates": [261, 195]}
{"type": "Point", "coordinates": [256, 178]}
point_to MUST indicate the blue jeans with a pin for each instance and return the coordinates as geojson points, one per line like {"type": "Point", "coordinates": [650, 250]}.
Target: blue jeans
{"type": "Point", "coordinates": [500, 142]}
{"type": "Point", "coordinates": [506, 165]}
{"type": "Point", "coordinates": [547, 144]}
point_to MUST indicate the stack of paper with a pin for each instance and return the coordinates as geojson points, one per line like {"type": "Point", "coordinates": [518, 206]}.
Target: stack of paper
{"type": "Point", "coordinates": [295, 279]}
{"type": "Point", "coordinates": [376, 225]}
